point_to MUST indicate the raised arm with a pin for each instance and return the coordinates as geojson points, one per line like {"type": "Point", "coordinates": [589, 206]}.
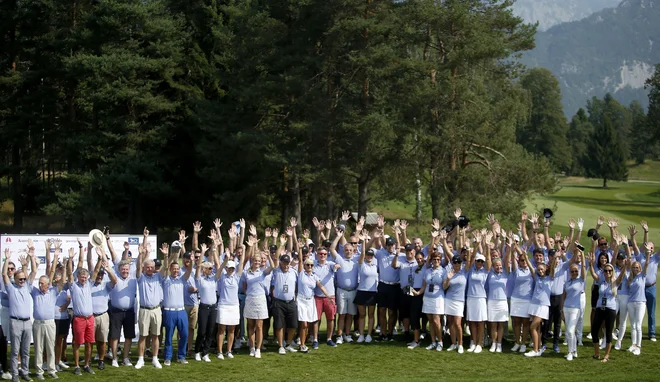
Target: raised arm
{"type": "Point", "coordinates": [220, 267]}
{"type": "Point", "coordinates": [110, 273]}
{"type": "Point", "coordinates": [5, 276]}
{"type": "Point", "coordinates": [197, 228]}
{"type": "Point", "coordinates": [241, 236]}
{"type": "Point", "coordinates": [647, 250]}
{"type": "Point", "coordinates": [140, 260]}
{"type": "Point", "coordinates": [80, 254]}
{"type": "Point", "coordinates": [198, 269]}
{"type": "Point", "coordinates": [99, 262]}
{"type": "Point", "coordinates": [164, 249]}
{"type": "Point", "coordinates": [47, 244]}
{"type": "Point", "coordinates": [523, 227]}
{"type": "Point", "coordinates": [592, 260]}
{"type": "Point", "coordinates": [53, 265]}
{"type": "Point", "coordinates": [111, 249]}
{"type": "Point", "coordinates": [333, 246]}
{"type": "Point", "coordinates": [487, 241]}
{"type": "Point", "coordinates": [362, 237]}
{"type": "Point", "coordinates": [645, 227]}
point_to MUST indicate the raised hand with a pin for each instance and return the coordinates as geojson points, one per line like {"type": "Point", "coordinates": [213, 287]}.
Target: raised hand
{"type": "Point", "coordinates": [612, 223]}
{"type": "Point", "coordinates": [253, 230]}
{"type": "Point", "coordinates": [442, 234]}
{"type": "Point", "coordinates": [289, 231]}
{"type": "Point", "coordinates": [380, 221]}
{"type": "Point", "coordinates": [571, 223]}
{"type": "Point", "coordinates": [524, 216]}
{"type": "Point", "coordinates": [315, 222]}
{"type": "Point", "coordinates": [436, 224]}
{"type": "Point", "coordinates": [600, 221]}
{"type": "Point", "coordinates": [203, 248]}
{"type": "Point", "coordinates": [241, 221]}
{"type": "Point", "coordinates": [534, 218]}
{"type": "Point", "coordinates": [7, 253]}
{"type": "Point", "coordinates": [182, 236]}
{"type": "Point", "coordinates": [232, 233]}
{"type": "Point", "coordinates": [396, 230]}
{"type": "Point", "coordinates": [557, 236]}
{"type": "Point", "coordinates": [496, 228]}
{"type": "Point", "coordinates": [217, 223]}
{"type": "Point", "coordinates": [491, 219]}
{"type": "Point", "coordinates": [648, 247]}
{"type": "Point", "coordinates": [565, 242]}
{"type": "Point", "coordinates": [645, 226]}
{"type": "Point", "coordinates": [397, 222]}
{"type": "Point", "coordinates": [451, 273]}
{"type": "Point", "coordinates": [321, 225]}
{"type": "Point", "coordinates": [71, 252]}
{"type": "Point", "coordinates": [267, 232]}
{"type": "Point", "coordinates": [632, 230]}
{"type": "Point", "coordinates": [58, 244]}
{"type": "Point", "coordinates": [275, 233]}
{"type": "Point", "coordinates": [457, 213]}
{"type": "Point", "coordinates": [145, 232]}
{"type": "Point", "coordinates": [404, 224]}
{"type": "Point", "coordinates": [283, 239]}
{"type": "Point", "coordinates": [488, 237]}
{"type": "Point", "coordinates": [328, 224]}
{"type": "Point", "coordinates": [126, 246]}
{"type": "Point", "coordinates": [580, 224]}
{"type": "Point", "coordinates": [305, 234]}
{"type": "Point", "coordinates": [345, 215]}
{"type": "Point", "coordinates": [164, 249]}
{"type": "Point", "coordinates": [23, 260]}
{"type": "Point", "coordinates": [293, 221]}
{"type": "Point", "coordinates": [197, 227]}
{"type": "Point", "coordinates": [30, 245]}
{"type": "Point", "coordinates": [360, 224]}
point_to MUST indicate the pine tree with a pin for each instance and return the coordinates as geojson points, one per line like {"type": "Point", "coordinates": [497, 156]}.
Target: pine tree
{"type": "Point", "coordinates": [579, 133]}
{"type": "Point", "coordinates": [607, 158]}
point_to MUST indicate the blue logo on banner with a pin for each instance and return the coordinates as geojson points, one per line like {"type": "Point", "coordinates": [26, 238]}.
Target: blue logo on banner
{"type": "Point", "coordinates": [42, 259]}
{"type": "Point", "coordinates": [133, 241]}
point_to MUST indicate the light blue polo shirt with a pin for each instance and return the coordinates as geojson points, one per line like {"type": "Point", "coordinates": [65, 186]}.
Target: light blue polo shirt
{"type": "Point", "coordinates": [44, 303]}
{"type": "Point", "coordinates": [151, 291]}
{"type": "Point", "coordinates": [81, 298]}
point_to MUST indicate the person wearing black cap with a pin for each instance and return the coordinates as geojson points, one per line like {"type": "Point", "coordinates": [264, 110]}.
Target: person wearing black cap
{"type": "Point", "coordinates": [417, 300]}
{"type": "Point", "coordinates": [388, 288]}
{"type": "Point", "coordinates": [365, 298]}
{"type": "Point", "coordinates": [285, 309]}
{"type": "Point", "coordinates": [406, 266]}
{"type": "Point", "coordinates": [455, 285]}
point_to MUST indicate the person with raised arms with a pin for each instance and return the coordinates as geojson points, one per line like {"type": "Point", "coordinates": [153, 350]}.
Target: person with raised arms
{"type": "Point", "coordinates": [433, 304]}
{"type": "Point", "coordinates": [325, 302]}
{"type": "Point", "coordinates": [101, 288]}
{"type": "Point", "coordinates": [365, 298]}
{"type": "Point", "coordinates": [478, 268]}
{"type": "Point", "coordinates": [347, 282]}
{"type": "Point", "coordinates": [417, 301]}
{"type": "Point", "coordinates": [521, 295]}
{"type": "Point", "coordinates": [256, 305]}
{"type": "Point", "coordinates": [307, 282]}
{"type": "Point", "coordinates": [406, 266]}
{"type": "Point", "coordinates": [637, 299]}
{"type": "Point", "coordinates": [285, 308]}
{"type": "Point", "coordinates": [498, 308]}
{"type": "Point", "coordinates": [151, 294]}
{"type": "Point", "coordinates": [388, 283]}
{"type": "Point", "coordinates": [228, 279]}
{"type": "Point", "coordinates": [208, 303]}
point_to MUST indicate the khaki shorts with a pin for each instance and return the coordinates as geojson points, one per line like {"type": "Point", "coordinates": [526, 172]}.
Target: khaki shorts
{"type": "Point", "coordinates": [101, 327]}
{"type": "Point", "coordinates": [192, 311]}
{"type": "Point", "coordinates": [149, 322]}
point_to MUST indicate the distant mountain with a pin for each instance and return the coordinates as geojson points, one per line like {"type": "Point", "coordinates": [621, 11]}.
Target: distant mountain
{"type": "Point", "coordinates": [612, 51]}
{"type": "Point", "coordinates": [553, 12]}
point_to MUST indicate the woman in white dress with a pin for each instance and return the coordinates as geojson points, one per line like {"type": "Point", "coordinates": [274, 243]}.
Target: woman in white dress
{"type": "Point", "coordinates": [434, 299]}
{"type": "Point", "coordinates": [229, 314]}
{"type": "Point", "coordinates": [256, 306]}
{"type": "Point", "coordinates": [307, 281]}
{"type": "Point", "coordinates": [477, 311]}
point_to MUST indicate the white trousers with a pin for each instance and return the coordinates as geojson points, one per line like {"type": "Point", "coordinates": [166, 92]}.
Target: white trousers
{"type": "Point", "coordinates": [580, 322]}
{"type": "Point", "coordinates": [623, 314]}
{"type": "Point", "coordinates": [636, 311]}
{"type": "Point", "coordinates": [571, 315]}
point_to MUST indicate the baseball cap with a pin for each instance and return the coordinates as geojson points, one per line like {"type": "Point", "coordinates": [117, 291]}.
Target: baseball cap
{"type": "Point", "coordinates": [231, 264]}
{"type": "Point", "coordinates": [390, 241]}
{"type": "Point", "coordinates": [285, 258]}
{"type": "Point", "coordinates": [273, 248]}
{"type": "Point", "coordinates": [327, 243]}
{"type": "Point", "coordinates": [456, 260]}
{"type": "Point", "coordinates": [409, 247]}
{"type": "Point", "coordinates": [480, 257]}
{"type": "Point", "coordinates": [371, 252]}
{"type": "Point", "coordinates": [305, 249]}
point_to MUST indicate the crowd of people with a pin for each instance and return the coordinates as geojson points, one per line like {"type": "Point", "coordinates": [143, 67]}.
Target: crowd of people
{"type": "Point", "coordinates": [369, 285]}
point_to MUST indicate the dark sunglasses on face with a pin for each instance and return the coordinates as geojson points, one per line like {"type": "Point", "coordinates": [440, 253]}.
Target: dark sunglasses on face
{"type": "Point", "coordinates": [323, 254]}
{"type": "Point", "coordinates": [574, 271]}
{"type": "Point", "coordinates": [354, 242]}
{"type": "Point", "coordinates": [480, 261]}
{"type": "Point", "coordinates": [10, 269]}
{"type": "Point", "coordinates": [608, 271]}
{"type": "Point", "coordinates": [22, 279]}
{"type": "Point", "coordinates": [601, 244]}
{"type": "Point", "coordinates": [309, 265]}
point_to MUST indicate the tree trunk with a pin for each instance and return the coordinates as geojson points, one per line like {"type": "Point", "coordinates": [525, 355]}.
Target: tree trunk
{"type": "Point", "coordinates": [604, 182]}
{"type": "Point", "coordinates": [418, 204]}
{"type": "Point", "coordinates": [17, 189]}
{"type": "Point", "coordinates": [363, 195]}
{"type": "Point", "coordinates": [295, 203]}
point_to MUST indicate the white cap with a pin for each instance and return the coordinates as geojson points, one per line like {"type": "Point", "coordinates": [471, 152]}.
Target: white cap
{"type": "Point", "coordinates": [176, 243]}
{"type": "Point", "coordinates": [516, 237]}
{"type": "Point", "coordinates": [231, 264]}
{"type": "Point", "coordinates": [480, 257]}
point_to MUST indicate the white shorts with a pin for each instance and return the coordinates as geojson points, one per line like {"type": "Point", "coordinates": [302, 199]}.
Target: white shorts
{"type": "Point", "coordinates": [454, 308]}
{"type": "Point", "coordinates": [477, 310]}
{"type": "Point", "coordinates": [306, 309]}
{"type": "Point", "coordinates": [228, 315]}
{"type": "Point", "coordinates": [542, 311]}
{"type": "Point", "coordinates": [345, 304]}
{"type": "Point", "coordinates": [498, 311]}
{"type": "Point", "coordinates": [433, 305]}
{"type": "Point", "coordinates": [519, 307]}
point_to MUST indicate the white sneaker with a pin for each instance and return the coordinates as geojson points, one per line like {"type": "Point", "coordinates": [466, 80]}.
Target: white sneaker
{"type": "Point", "coordinates": [156, 364]}
{"type": "Point", "coordinates": [602, 343]}
{"type": "Point", "coordinates": [291, 349]}
{"type": "Point", "coordinates": [220, 356]}
{"type": "Point", "coordinates": [257, 353]}
{"type": "Point", "coordinates": [631, 348]}
{"type": "Point", "coordinates": [115, 363]}
{"type": "Point", "coordinates": [471, 348]}
{"type": "Point", "coordinates": [63, 365]}
{"type": "Point", "coordinates": [637, 351]}
{"type": "Point", "coordinates": [348, 339]}
{"type": "Point", "coordinates": [477, 349]}
{"type": "Point", "coordinates": [282, 351]}
{"type": "Point", "coordinates": [575, 354]}
{"type": "Point", "coordinates": [198, 357]}
{"type": "Point", "coordinates": [367, 339]}
{"type": "Point", "coordinates": [230, 355]}
{"type": "Point", "coordinates": [452, 347]}
{"type": "Point", "coordinates": [617, 346]}
{"type": "Point", "coordinates": [493, 347]}
{"type": "Point", "coordinates": [340, 340]}
{"type": "Point", "coordinates": [167, 362]}
{"type": "Point", "coordinates": [498, 349]}
{"type": "Point", "coordinates": [615, 335]}
{"type": "Point", "coordinates": [356, 333]}
{"type": "Point", "coordinates": [523, 348]}
{"type": "Point", "coordinates": [252, 352]}
{"type": "Point", "coordinates": [569, 357]}
{"type": "Point", "coordinates": [439, 347]}
{"type": "Point", "coordinates": [206, 358]}
{"type": "Point", "coordinates": [652, 339]}
{"type": "Point", "coordinates": [531, 353]}
{"type": "Point", "coordinates": [377, 329]}
{"type": "Point", "coordinates": [139, 364]}
{"type": "Point", "coordinates": [395, 332]}
{"type": "Point", "coordinates": [412, 345]}
{"type": "Point", "coordinates": [127, 362]}
{"type": "Point", "coordinates": [360, 339]}
{"type": "Point", "coordinates": [422, 336]}
{"type": "Point", "coordinates": [467, 330]}
{"type": "Point", "coordinates": [515, 348]}
{"type": "Point", "coordinates": [460, 349]}
{"type": "Point", "coordinates": [589, 336]}
{"type": "Point", "coordinates": [6, 376]}
{"type": "Point", "coordinates": [431, 346]}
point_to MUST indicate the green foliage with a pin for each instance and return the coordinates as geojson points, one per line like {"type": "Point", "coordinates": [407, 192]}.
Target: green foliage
{"type": "Point", "coordinates": [653, 120]}
{"type": "Point", "coordinates": [580, 132]}
{"type": "Point", "coordinates": [607, 158]}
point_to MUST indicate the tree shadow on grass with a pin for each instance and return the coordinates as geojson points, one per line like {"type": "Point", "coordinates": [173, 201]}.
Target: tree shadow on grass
{"type": "Point", "coordinates": [602, 203]}
{"type": "Point", "coordinates": [590, 187]}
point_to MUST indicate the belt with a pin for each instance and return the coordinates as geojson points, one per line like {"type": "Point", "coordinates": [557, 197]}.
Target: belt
{"type": "Point", "coordinates": [100, 314]}
{"type": "Point", "coordinates": [208, 305]}
{"type": "Point", "coordinates": [117, 310]}
{"type": "Point", "coordinates": [173, 309]}
{"type": "Point", "coordinates": [650, 285]}
{"type": "Point", "coordinates": [388, 283]}
{"type": "Point", "coordinates": [348, 290]}
{"type": "Point", "coordinates": [150, 307]}
{"type": "Point", "coordinates": [85, 317]}
{"type": "Point", "coordinates": [285, 301]}
{"type": "Point", "coordinates": [20, 319]}
{"type": "Point", "coordinates": [305, 298]}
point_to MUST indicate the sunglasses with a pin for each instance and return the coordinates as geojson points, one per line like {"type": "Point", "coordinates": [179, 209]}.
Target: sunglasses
{"type": "Point", "coordinates": [323, 254]}
{"type": "Point", "coordinates": [574, 272]}
{"type": "Point", "coordinates": [608, 271]}
{"type": "Point", "coordinates": [354, 242]}
{"type": "Point", "coordinates": [22, 279]}
{"type": "Point", "coordinates": [602, 244]}
{"type": "Point", "coordinates": [309, 265]}
{"type": "Point", "coordinates": [11, 269]}
{"type": "Point", "coordinates": [480, 261]}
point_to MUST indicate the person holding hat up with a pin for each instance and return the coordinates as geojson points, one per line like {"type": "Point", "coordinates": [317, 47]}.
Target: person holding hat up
{"type": "Point", "coordinates": [365, 298]}
{"type": "Point", "coordinates": [478, 268]}
{"type": "Point", "coordinates": [228, 279]}
{"type": "Point", "coordinates": [285, 308]}
{"type": "Point", "coordinates": [347, 282]}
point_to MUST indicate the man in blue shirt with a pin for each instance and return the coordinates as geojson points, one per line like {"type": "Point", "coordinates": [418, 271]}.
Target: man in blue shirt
{"type": "Point", "coordinates": [20, 301]}
{"type": "Point", "coordinates": [151, 295]}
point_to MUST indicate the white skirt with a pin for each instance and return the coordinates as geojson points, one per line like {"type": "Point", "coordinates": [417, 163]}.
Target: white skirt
{"type": "Point", "coordinates": [519, 307]}
{"type": "Point", "coordinates": [307, 309]}
{"type": "Point", "coordinates": [433, 305]}
{"type": "Point", "coordinates": [256, 307]}
{"type": "Point", "coordinates": [498, 311]}
{"type": "Point", "coordinates": [229, 315]}
{"type": "Point", "coordinates": [477, 310]}
{"type": "Point", "coordinates": [542, 311]}
{"type": "Point", "coordinates": [454, 308]}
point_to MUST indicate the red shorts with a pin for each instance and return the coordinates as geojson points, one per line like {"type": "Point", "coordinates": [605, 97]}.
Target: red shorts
{"type": "Point", "coordinates": [327, 305]}
{"type": "Point", "coordinates": [83, 330]}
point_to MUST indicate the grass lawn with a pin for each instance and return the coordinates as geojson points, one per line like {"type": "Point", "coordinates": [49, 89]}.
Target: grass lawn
{"type": "Point", "coordinates": [650, 170]}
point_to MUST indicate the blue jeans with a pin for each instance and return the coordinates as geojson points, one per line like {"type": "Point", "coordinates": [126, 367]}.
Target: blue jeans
{"type": "Point", "coordinates": [179, 320]}
{"type": "Point", "coordinates": [650, 308]}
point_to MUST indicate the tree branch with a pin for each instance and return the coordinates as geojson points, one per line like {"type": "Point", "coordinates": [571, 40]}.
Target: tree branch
{"type": "Point", "coordinates": [487, 148]}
